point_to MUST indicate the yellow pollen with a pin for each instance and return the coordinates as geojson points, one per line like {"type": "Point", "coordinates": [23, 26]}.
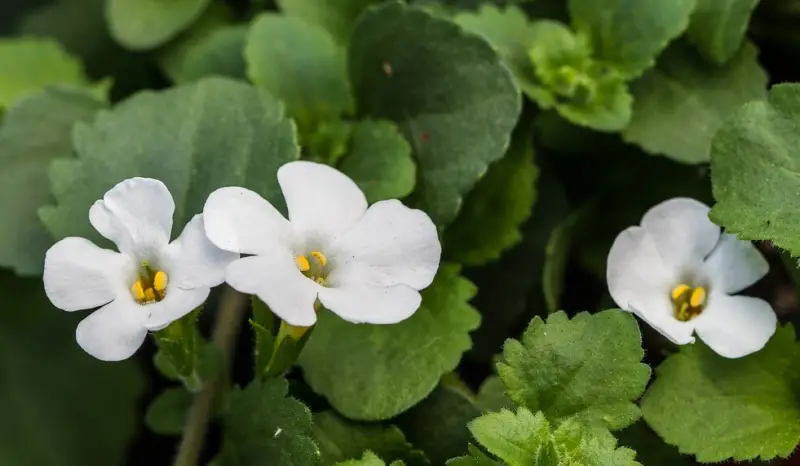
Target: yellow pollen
{"type": "Point", "coordinates": [320, 257]}
{"type": "Point", "coordinates": [150, 287]}
{"type": "Point", "coordinates": [698, 297]}
{"type": "Point", "coordinates": [137, 291]}
{"type": "Point", "coordinates": [149, 295]}
{"type": "Point", "coordinates": [302, 263]}
{"type": "Point", "coordinates": [688, 302]}
{"type": "Point", "coordinates": [160, 281]}
{"type": "Point", "coordinates": [679, 290]}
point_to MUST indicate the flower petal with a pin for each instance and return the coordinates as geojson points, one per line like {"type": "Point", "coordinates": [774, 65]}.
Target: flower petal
{"type": "Point", "coordinates": [735, 326]}
{"type": "Point", "coordinates": [176, 304]}
{"type": "Point", "coordinates": [194, 260]}
{"type": "Point", "coordinates": [321, 199]}
{"type": "Point", "coordinates": [734, 265]}
{"type": "Point", "coordinates": [681, 230]}
{"type": "Point", "coordinates": [372, 305]}
{"type": "Point", "coordinates": [135, 214]}
{"type": "Point", "coordinates": [80, 275]}
{"type": "Point", "coordinates": [391, 244]}
{"type": "Point", "coordinates": [275, 279]}
{"type": "Point", "coordinates": [239, 220]}
{"type": "Point", "coordinates": [113, 332]}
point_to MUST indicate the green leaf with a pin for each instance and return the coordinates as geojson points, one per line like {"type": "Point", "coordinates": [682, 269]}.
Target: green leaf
{"type": "Point", "coordinates": [329, 141]}
{"type": "Point", "coordinates": [587, 368]}
{"type": "Point", "coordinates": [219, 52]}
{"type": "Point", "coordinates": [490, 220]}
{"type": "Point", "coordinates": [650, 449]}
{"type": "Point", "coordinates": [629, 35]}
{"type": "Point", "coordinates": [336, 16]}
{"type": "Point", "coordinates": [718, 408]}
{"type": "Point", "coordinates": [30, 64]}
{"type": "Point", "coordinates": [166, 415]}
{"type": "Point", "coordinates": [263, 323]}
{"type": "Point", "coordinates": [438, 425]}
{"type": "Point", "coordinates": [555, 261]}
{"type": "Point", "coordinates": [492, 395]}
{"type": "Point", "coordinates": [447, 90]}
{"type": "Point", "coordinates": [200, 137]}
{"type": "Point", "coordinates": [60, 406]}
{"type": "Point", "coordinates": [146, 24]}
{"type": "Point", "coordinates": [475, 458]}
{"type": "Point", "coordinates": [185, 356]}
{"type": "Point", "coordinates": [372, 372]}
{"type": "Point", "coordinates": [340, 440]}
{"type": "Point", "coordinates": [718, 27]}
{"type": "Point", "coordinates": [262, 422]}
{"type": "Point", "coordinates": [379, 161]}
{"type": "Point", "coordinates": [369, 459]}
{"type": "Point", "coordinates": [34, 131]}
{"type": "Point", "coordinates": [754, 171]}
{"type": "Point", "coordinates": [301, 65]}
{"type": "Point", "coordinates": [680, 104]}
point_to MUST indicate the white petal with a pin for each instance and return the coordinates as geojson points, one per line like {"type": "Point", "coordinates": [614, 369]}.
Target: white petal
{"type": "Point", "coordinates": [391, 244]}
{"type": "Point", "coordinates": [372, 305]}
{"type": "Point", "coordinates": [682, 231]}
{"type": "Point", "coordinates": [734, 265]}
{"type": "Point", "coordinates": [664, 322]}
{"type": "Point", "coordinates": [176, 304]}
{"type": "Point", "coordinates": [194, 260]}
{"type": "Point", "coordinates": [735, 326]}
{"type": "Point", "coordinates": [113, 332]}
{"type": "Point", "coordinates": [136, 214]}
{"type": "Point", "coordinates": [80, 275]}
{"type": "Point", "coordinates": [275, 279]}
{"type": "Point", "coordinates": [239, 220]}
{"type": "Point", "coordinates": [321, 199]}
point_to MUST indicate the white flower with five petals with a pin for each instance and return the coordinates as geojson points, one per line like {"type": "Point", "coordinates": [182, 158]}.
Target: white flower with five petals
{"type": "Point", "coordinates": [677, 272]}
{"type": "Point", "coordinates": [145, 286]}
{"type": "Point", "coordinates": [367, 265]}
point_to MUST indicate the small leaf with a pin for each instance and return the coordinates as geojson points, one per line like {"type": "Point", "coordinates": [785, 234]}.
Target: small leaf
{"type": "Point", "coordinates": [650, 449]}
{"type": "Point", "coordinates": [490, 220]}
{"type": "Point", "coordinates": [680, 104]}
{"type": "Point", "coordinates": [448, 92]}
{"type": "Point", "coordinates": [718, 27]}
{"type": "Point", "coordinates": [218, 52]}
{"type": "Point", "coordinates": [263, 323]}
{"type": "Point", "coordinates": [166, 415]}
{"type": "Point", "coordinates": [262, 422]}
{"type": "Point", "coordinates": [587, 368]}
{"type": "Point", "coordinates": [492, 395]}
{"type": "Point", "coordinates": [630, 35]}
{"type": "Point", "coordinates": [372, 372]}
{"type": "Point", "coordinates": [146, 24]}
{"type": "Point", "coordinates": [336, 16]}
{"type": "Point", "coordinates": [369, 459]}
{"type": "Point", "coordinates": [718, 408]}
{"type": "Point", "coordinates": [555, 261]}
{"type": "Point", "coordinates": [475, 458]}
{"type": "Point", "coordinates": [379, 161]}
{"type": "Point", "coordinates": [185, 356]}
{"type": "Point", "coordinates": [299, 64]}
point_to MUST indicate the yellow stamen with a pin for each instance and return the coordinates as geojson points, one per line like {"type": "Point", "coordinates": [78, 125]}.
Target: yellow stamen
{"type": "Point", "coordinates": [160, 281]}
{"type": "Point", "coordinates": [698, 297]}
{"type": "Point", "coordinates": [138, 291]}
{"type": "Point", "coordinates": [149, 295]}
{"type": "Point", "coordinates": [320, 257]}
{"type": "Point", "coordinates": [679, 290]}
{"type": "Point", "coordinates": [302, 263]}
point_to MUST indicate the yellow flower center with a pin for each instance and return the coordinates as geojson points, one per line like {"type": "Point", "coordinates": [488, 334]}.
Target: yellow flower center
{"type": "Point", "coordinates": [150, 287]}
{"type": "Point", "coordinates": [313, 269]}
{"type": "Point", "coordinates": [688, 302]}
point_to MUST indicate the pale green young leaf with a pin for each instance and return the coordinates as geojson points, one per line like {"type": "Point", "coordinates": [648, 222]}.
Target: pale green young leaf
{"type": "Point", "coordinates": [754, 174]}
{"type": "Point", "coordinates": [371, 372]}
{"type": "Point", "coordinates": [588, 368]}
{"type": "Point", "coordinates": [166, 415]}
{"type": "Point", "coordinates": [718, 408]}
{"type": "Point", "coordinates": [448, 91]}
{"type": "Point", "coordinates": [490, 220]}
{"type": "Point", "coordinates": [369, 459]}
{"type": "Point", "coordinates": [475, 458]}
{"type": "Point", "coordinates": [492, 395]}
{"type": "Point", "coordinates": [340, 440]}
{"type": "Point", "coordinates": [200, 137]}
{"type": "Point", "coordinates": [34, 131]}
{"type": "Point", "coordinates": [582, 445]}
{"type": "Point", "coordinates": [262, 422]}
{"type": "Point", "coordinates": [30, 64]}
{"type": "Point", "coordinates": [519, 439]}
{"type": "Point", "coordinates": [219, 52]}
{"type": "Point", "coordinates": [146, 24]}
{"type": "Point", "coordinates": [336, 16]}
{"type": "Point", "coordinates": [301, 65]}
{"type": "Point", "coordinates": [630, 35]}
{"type": "Point", "coordinates": [718, 27]}
{"type": "Point", "coordinates": [683, 101]}
{"type": "Point", "coordinates": [185, 356]}
{"type": "Point", "coordinates": [379, 160]}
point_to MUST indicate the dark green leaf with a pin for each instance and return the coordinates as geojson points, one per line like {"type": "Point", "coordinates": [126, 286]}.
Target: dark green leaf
{"type": "Point", "coordinates": [718, 27]}
{"type": "Point", "coordinates": [336, 16]}
{"type": "Point", "coordinates": [146, 24]}
{"type": "Point", "coordinates": [166, 415]}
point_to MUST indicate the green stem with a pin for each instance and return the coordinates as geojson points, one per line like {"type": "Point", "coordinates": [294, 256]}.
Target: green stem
{"type": "Point", "coordinates": [230, 313]}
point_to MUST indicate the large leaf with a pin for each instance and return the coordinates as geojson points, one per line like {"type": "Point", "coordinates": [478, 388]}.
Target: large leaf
{"type": "Point", "coordinates": [337, 16]}
{"type": "Point", "coordinates": [754, 170]}
{"type": "Point", "coordinates": [34, 131]}
{"type": "Point", "coordinates": [195, 138]}
{"type": "Point", "coordinates": [146, 24]}
{"type": "Point", "coordinates": [60, 406]}
{"type": "Point", "coordinates": [718, 408]}
{"type": "Point", "coordinates": [681, 103]}
{"type": "Point", "coordinates": [587, 368]}
{"type": "Point", "coordinates": [718, 26]}
{"type": "Point", "coordinates": [447, 90]}
{"type": "Point", "coordinates": [378, 371]}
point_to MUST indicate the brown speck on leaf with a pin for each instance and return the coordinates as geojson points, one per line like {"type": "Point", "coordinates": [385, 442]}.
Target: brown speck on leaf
{"type": "Point", "coordinates": [387, 68]}
{"type": "Point", "coordinates": [425, 136]}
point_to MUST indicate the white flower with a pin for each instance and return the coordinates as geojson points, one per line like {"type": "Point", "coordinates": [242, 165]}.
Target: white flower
{"type": "Point", "coordinates": [677, 272]}
{"type": "Point", "coordinates": [366, 265]}
{"type": "Point", "coordinates": [145, 286]}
